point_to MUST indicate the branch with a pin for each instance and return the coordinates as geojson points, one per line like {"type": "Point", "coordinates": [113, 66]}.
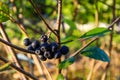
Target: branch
{"type": "Point", "coordinates": [59, 14]}
{"type": "Point", "coordinates": [11, 50]}
{"type": "Point", "coordinates": [39, 14]}
{"type": "Point", "coordinates": [79, 50]}
{"type": "Point", "coordinates": [16, 47]}
{"type": "Point", "coordinates": [19, 24]}
{"type": "Point", "coordinates": [19, 69]}
{"type": "Point", "coordinates": [58, 25]}
{"type": "Point", "coordinates": [111, 25]}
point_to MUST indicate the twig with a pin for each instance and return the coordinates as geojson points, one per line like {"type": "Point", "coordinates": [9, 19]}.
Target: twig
{"type": "Point", "coordinates": [12, 51]}
{"type": "Point", "coordinates": [36, 60]}
{"type": "Point", "coordinates": [16, 47]}
{"type": "Point", "coordinates": [39, 14]}
{"type": "Point", "coordinates": [59, 14]}
{"type": "Point", "coordinates": [111, 25]}
{"type": "Point", "coordinates": [59, 3]}
{"type": "Point", "coordinates": [19, 69]}
{"type": "Point", "coordinates": [79, 50]}
{"type": "Point", "coordinates": [104, 77]}
{"type": "Point", "coordinates": [46, 71]}
{"type": "Point", "coordinates": [19, 24]}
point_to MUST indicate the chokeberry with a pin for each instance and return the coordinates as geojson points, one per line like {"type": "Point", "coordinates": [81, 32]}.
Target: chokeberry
{"type": "Point", "coordinates": [38, 51]}
{"type": "Point", "coordinates": [64, 50]}
{"type": "Point", "coordinates": [35, 44]}
{"type": "Point", "coordinates": [43, 38]}
{"type": "Point", "coordinates": [57, 54]}
{"type": "Point", "coordinates": [42, 57]}
{"type": "Point", "coordinates": [30, 48]}
{"type": "Point", "coordinates": [27, 41]}
{"type": "Point", "coordinates": [53, 46]}
{"type": "Point", "coordinates": [44, 47]}
{"type": "Point", "coordinates": [47, 54]}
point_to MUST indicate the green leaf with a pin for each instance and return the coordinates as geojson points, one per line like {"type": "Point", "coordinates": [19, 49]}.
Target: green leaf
{"type": "Point", "coordinates": [4, 12]}
{"type": "Point", "coordinates": [64, 64]}
{"type": "Point", "coordinates": [4, 8]}
{"type": "Point", "coordinates": [96, 53]}
{"type": "Point", "coordinates": [60, 77]}
{"type": "Point", "coordinates": [5, 66]}
{"type": "Point", "coordinates": [3, 17]}
{"type": "Point", "coordinates": [95, 32]}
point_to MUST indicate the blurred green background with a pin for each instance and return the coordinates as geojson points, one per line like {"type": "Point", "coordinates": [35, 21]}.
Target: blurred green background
{"type": "Point", "coordinates": [78, 16]}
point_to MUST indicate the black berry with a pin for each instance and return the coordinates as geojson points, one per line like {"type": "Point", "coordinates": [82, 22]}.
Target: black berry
{"type": "Point", "coordinates": [42, 57]}
{"type": "Point", "coordinates": [53, 46]}
{"type": "Point", "coordinates": [57, 54]}
{"type": "Point", "coordinates": [30, 48]}
{"type": "Point", "coordinates": [47, 54]}
{"type": "Point", "coordinates": [43, 38]}
{"type": "Point", "coordinates": [38, 51]}
{"type": "Point", "coordinates": [35, 44]}
{"type": "Point", "coordinates": [26, 41]}
{"type": "Point", "coordinates": [64, 50]}
{"type": "Point", "coordinates": [44, 47]}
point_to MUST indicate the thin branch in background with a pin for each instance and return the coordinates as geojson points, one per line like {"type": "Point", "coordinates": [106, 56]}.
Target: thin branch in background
{"type": "Point", "coordinates": [19, 69]}
{"type": "Point", "coordinates": [75, 2]}
{"type": "Point", "coordinates": [89, 77]}
{"type": "Point", "coordinates": [39, 14]}
{"type": "Point", "coordinates": [105, 76]}
{"type": "Point", "coordinates": [111, 25]}
{"type": "Point", "coordinates": [17, 10]}
{"type": "Point", "coordinates": [46, 71]}
{"type": "Point", "coordinates": [79, 50]}
{"type": "Point", "coordinates": [63, 27]}
{"type": "Point", "coordinates": [59, 3]}
{"type": "Point", "coordinates": [34, 30]}
{"type": "Point", "coordinates": [12, 51]}
{"type": "Point", "coordinates": [35, 58]}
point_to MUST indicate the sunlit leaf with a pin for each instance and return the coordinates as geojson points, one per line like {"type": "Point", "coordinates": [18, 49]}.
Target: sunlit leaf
{"type": "Point", "coordinates": [60, 77]}
{"type": "Point", "coordinates": [5, 66]}
{"type": "Point", "coordinates": [64, 64]}
{"type": "Point", "coordinates": [95, 32]}
{"type": "Point", "coordinates": [96, 53]}
{"type": "Point", "coordinates": [4, 11]}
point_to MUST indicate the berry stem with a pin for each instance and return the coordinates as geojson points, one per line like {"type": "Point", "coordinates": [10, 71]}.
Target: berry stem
{"type": "Point", "coordinates": [16, 47]}
{"type": "Point", "coordinates": [79, 50]}
{"type": "Point", "coordinates": [59, 3]}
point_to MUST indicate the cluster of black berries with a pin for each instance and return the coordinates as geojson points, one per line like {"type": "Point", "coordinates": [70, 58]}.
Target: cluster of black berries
{"type": "Point", "coordinates": [45, 50]}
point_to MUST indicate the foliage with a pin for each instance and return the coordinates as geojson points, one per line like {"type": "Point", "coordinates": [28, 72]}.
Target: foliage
{"type": "Point", "coordinates": [5, 66]}
{"type": "Point", "coordinates": [64, 64]}
{"type": "Point", "coordinates": [60, 77]}
{"type": "Point", "coordinates": [95, 53]}
{"type": "Point", "coordinates": [73, 12]}
{"type": "Point", "coordinates": [95, 32]}
{"type": "Point", "coordinates": [4, 11]}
